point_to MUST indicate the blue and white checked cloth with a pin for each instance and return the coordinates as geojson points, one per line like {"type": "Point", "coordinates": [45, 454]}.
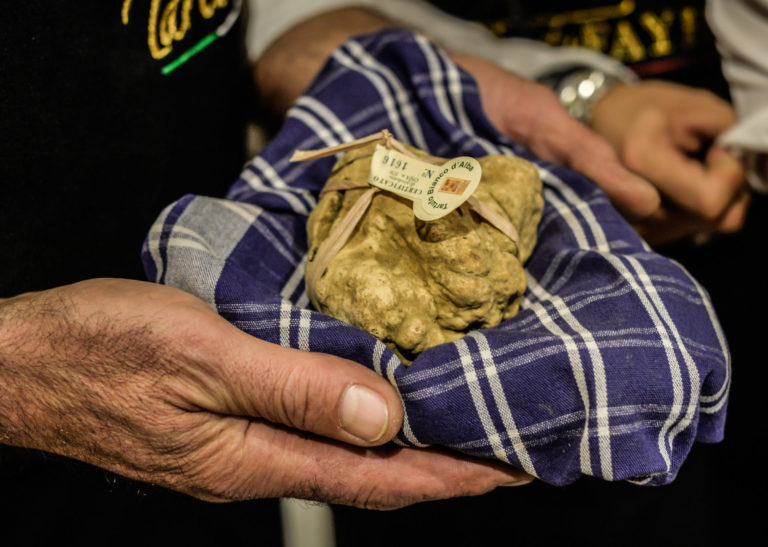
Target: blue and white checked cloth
{"type": "Point", "coordinates": [616, 362]}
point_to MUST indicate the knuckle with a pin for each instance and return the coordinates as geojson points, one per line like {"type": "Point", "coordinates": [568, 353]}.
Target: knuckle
{"type": "Point", "coordinates": [737, 181]}
{"type": "Point", "coordinates": [712, 205]}
{"type": "Point", "coordinates": [603, 151]}
{"type": "Point", "coordinates": [633, 152]}
{"type": "Point", "coordinates": [733, 224]}
{"type": "Point", "coordinates": [711, 210]}
{"type": "Point", "coordinates": [291, 398]}
{"type": "Point", "coordinates": [716, 103]}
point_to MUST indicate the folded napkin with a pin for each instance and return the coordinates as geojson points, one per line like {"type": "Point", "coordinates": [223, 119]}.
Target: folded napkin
{"type": "Point", "coordinates": [615, 363]}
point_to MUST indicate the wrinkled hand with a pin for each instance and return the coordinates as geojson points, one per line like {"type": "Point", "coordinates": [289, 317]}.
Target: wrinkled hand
{"type": "Point", "coordinates": [658, 129]}
{"type": "Point", "coordinates": [149, 382]}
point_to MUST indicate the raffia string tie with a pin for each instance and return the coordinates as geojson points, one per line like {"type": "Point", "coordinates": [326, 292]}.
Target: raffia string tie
{"type": "Point", "coordinates": [342, 231]}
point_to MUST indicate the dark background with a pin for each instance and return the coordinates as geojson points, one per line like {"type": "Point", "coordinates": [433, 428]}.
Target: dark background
{"type": "Point", "coordinates": [84, 111]}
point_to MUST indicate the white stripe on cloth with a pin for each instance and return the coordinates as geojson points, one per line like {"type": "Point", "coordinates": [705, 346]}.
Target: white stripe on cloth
{"type": "Point", "coordinates": [378, 83]}
{"type": "Point", "coordinates": [598, 373]}
{"type": "Point", "coordinates": [250, 213]}
{"type": "Point", "coordinates": [520, 354]}
{"type": "Point", "coordinates": [320, 129]}
{"type": "Point", "coordinates": [720, 397]}
{"type": "Point", "coordinates": [153, 244]}
{"type": "Point", "coordinates": [436, 78]}
{"type": "Point", "coordinates": [291, 196]}
{"type": "Point", "coordinates": [577, 368]}
{"type": "Point", "coordinates": [388, 372]}
{"type": "Point", "coordinates": [305, 325]}
{"type": "Point", "coordinates": [382, 77]}
{"type": "Point", "coordinates": [693, 372]}
{"type": "Point", "coordinates": [451, 77]}
{"type": "Point", "coordinates": [674, 366]}
{"type": "Point", "coordinates": [285, 323]}
{"type": "Point", "coordinates": [473, 385]}
{"type": "Point", "coordinates": [650, 297]}
{"type": "Point", "coordinates": [293, 283]}
{"type": "Point", "coordinates": [502, 405]}
{"type": "Point", "coordinates": [327, 115]}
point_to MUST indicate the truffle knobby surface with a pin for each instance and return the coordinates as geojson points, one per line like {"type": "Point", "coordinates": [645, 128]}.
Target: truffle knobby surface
{"type": "Point", "coordinates": [416, 284]}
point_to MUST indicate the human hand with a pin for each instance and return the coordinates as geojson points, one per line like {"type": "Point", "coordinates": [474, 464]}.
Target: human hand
{"type": "Point", "coordinates": [657, 129]}
{"type": "Point", "coordinates": [532, 115]}
{"type": "Point", "coordinates": [147, 381]}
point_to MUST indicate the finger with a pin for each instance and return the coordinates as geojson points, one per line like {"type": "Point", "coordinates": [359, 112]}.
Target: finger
{"type": "Point", "coordinates": [688, 141]}
{"type": "Point", "coordinates": [726, 178]}
{"type": "Point", "coordinates": [734, 217]}
{"type": "Point", "coordinates": [632, 195]}
{"type": "Point", "coordinates": [669, 224]}
{"type": "Point", "coordinates": [702, 118]}
{"type": "Point", "coordinates": [380, 478]}
{"type": "Point", "coordinates": [705, 113]}
{"type": "Point", "coordinates": [314, 392]}
{"type": "Point", "coordinates": [591, 155]}
{"type": "Point", "coordinates": [702, 190]}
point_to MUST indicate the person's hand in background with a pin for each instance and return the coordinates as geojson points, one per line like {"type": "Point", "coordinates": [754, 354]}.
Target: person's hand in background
{"type": "Point", "coordinates": [648, 147]}
{"type": "Point", "coordinates": [640, 150]}
{"type": "Point", "coordinates": [664, 133]}
{"type": "Point", "coordinates": [531, 114]}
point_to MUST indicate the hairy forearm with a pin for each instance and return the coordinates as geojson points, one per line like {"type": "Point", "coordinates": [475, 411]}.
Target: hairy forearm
{"type": "Point", "coordinates": [13, 414]}
{"type": "Point", "coordinates": [49, 360]}
{"type": "Point", "coordinates": [288, 66]}
{"type": "Point", "coordinates": [85, 375]}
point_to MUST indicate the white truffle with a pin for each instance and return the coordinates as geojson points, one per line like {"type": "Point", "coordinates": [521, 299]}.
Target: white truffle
{"type": "Point", "coordinates": [416, 284]}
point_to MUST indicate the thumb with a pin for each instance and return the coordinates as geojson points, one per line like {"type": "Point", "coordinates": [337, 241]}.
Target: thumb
{"type": "Point", "coordinates": [314, 392]}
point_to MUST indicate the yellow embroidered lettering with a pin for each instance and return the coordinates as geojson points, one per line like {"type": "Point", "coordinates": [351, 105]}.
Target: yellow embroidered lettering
{"type": "Point", "coordinates": [167, 28]}
{"type": "Point", "coordinates": [207, 9]}
{"type": "Point", "coordinates": [499, 28]}
{"type": "Point", "coordinates": [554, 37]}
{"type": "Point", "coordinates": [125, 12]}
{"type": "Point", "coordinates": [570, 40]}
{"type": "Point", "coordinates": [658, 28]}
{"type": "Point", "coordinates": [169, 22]}
{"type": "Point", "coordinates": [595, 35]}
{"type": "Point", "coordinates": [171, 30]}
{"type": "Point", "coordinates": [626, 45]}
{"type": "Point", "coordinates": [688, 22]}
{"type": "Point", "coordinates": [155, 50]}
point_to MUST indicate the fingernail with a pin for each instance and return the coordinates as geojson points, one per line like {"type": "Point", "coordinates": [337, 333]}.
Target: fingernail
{"type": "Point", "coordinates": [519, 482]}
{"type": "Point", "coordinates": [363, 413]}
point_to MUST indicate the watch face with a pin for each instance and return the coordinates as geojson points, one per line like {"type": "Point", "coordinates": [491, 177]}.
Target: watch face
{"type": "Point", "coordinates": [580, 91]}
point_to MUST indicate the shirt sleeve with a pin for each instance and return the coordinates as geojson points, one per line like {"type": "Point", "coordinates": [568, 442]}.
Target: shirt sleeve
{"type": "Point", "coordinates": [527, 58]}
{"type": "Point", "coordinates": [741, 28]}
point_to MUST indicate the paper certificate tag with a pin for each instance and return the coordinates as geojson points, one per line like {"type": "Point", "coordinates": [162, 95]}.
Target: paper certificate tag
{"type": "Point", "coordinates": [435, 190]}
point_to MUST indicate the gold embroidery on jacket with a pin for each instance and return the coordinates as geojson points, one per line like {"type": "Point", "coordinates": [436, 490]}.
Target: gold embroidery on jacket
{"type": "Point", "coordinates": [622, 29]}
{"type": "Point", "coordinates": [170, 23]}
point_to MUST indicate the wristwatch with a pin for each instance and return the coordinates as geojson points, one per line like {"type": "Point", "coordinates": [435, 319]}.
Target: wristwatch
{"type": "Point", "coordinates": [579, 91]}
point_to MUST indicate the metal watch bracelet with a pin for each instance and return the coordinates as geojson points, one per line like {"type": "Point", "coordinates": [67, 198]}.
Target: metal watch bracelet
{"type": "Point", "coordinates": [580, 91]}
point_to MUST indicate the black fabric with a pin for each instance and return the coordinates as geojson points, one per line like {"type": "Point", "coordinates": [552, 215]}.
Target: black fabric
{"type": "Point", "coordinates": [93, 138]}
{"type": "Point", "coordinates": [94, 142]}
